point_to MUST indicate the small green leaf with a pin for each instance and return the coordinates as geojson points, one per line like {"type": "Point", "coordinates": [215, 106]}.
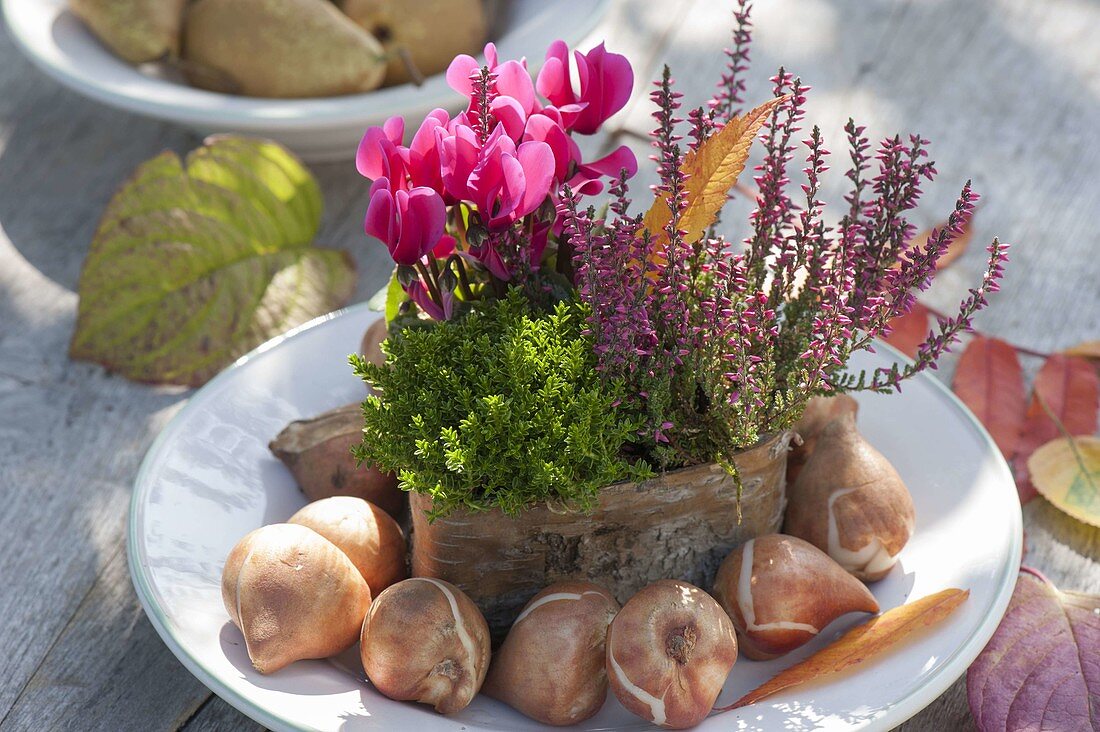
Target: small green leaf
{"type": "Point", "coordinates": [389, 298]}
{"type": "Point", "coordinates": [196, 263]}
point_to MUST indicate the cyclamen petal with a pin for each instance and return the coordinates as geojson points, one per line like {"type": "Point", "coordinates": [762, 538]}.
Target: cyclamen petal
{"type": "Point", "coordinates": [409, 223]}
{"type": "Point", "coordinates": [537, 160]}
{"type": "Point", "coordinates": [459, 72]}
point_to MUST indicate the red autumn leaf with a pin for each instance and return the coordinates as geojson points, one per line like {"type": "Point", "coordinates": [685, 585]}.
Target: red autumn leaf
{"type": "Point", "coordinates": [1039, 670]}
{"type": "Point", "coordinates": [1070, 389]}
{"type": "Point", "coordinates": [910, 330]}
{"type": "Point", "coordinates": [990, 380]}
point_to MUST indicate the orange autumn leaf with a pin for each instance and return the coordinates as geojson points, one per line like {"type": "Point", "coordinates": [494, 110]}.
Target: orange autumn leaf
{"type": "Point", "coordinates": [1088, 349]}
{"type": "Point", "coordinates": [910, 330]}
{"type": "Point", "coordinates": [711, 169]}
{"type": "Point", "coordinates": [990, 380]}
{"type": "Point", "coordinates": [1066, 471]}
{"type": "Point", "coordinates": [861, 643]}
{"type": "Point", "coordinates": [1070, 388]}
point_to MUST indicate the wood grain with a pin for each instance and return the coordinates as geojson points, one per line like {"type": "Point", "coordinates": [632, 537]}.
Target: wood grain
{"type": "Point", "coordinates": [1007, 90]}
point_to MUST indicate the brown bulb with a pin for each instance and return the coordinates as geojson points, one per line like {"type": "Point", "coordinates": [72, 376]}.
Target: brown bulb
{"type": "Point", "coordinates": [293, 595]}
{"type": "Point", "coordinates": [781, 592]}
{"type": "Point", "coordinates": [551, 665]}
{"type": "Point", "coordinates": [370, 538]}
{"type": "Point", "coordinates": [818, 413]}
{"type": "Point", "coordinates": [424, 640]}
{"type": "Point", "coordinates": [317, 451]}
{"type": "Point", "coordinates": [850, 502]}
{"type": "Point", "coordinates": [669, 651]}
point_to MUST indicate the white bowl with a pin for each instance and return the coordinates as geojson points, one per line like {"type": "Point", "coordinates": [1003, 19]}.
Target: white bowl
{"type": "Point", "coordinates": [327, 128]}
{"type": "Point", "coordinates": [209, 479]}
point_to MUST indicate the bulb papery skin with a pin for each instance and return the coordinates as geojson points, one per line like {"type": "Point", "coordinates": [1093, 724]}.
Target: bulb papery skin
{"type": "Point", "coordinates": [781, 592]}
{"type": "Point", "coordinates": [669, 651]}
{"type": "Point", "coordinates": [294, 595]}
{"type": "Point", "coordinates": [551, 665]}
{"type": "Point", "coordinates": [424, 640]}
{"type": "Point", "coordinates": [851, 503]}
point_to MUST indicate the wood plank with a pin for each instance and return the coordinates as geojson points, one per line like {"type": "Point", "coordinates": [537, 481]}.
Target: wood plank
{"type": "Point", "coordinates": [216, 715]}
{"type": "Point", "coordinates": [108, 669]}
{"type": "Point", "coordinates": [76, 650]}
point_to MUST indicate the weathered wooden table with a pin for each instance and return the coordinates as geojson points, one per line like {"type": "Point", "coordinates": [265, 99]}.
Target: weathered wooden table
{"type": "Point", "coordinates": [1008, 91]}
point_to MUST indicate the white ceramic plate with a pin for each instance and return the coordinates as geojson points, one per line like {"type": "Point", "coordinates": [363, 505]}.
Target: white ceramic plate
{"type": "Point", "coordinates": [209, 479]}
{"type": "Point", "coordinates": [317, 129]}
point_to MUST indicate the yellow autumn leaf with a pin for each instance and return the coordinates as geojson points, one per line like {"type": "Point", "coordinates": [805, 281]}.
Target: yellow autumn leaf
{"type": "Point", "coordinates": [1066, 471]}
{"type": "Point", "coordinates": [712, 169]}
{"type": "Point", "coordinates": [1088, 349]}
{"type": "Point", "coordinates": [861, 643]}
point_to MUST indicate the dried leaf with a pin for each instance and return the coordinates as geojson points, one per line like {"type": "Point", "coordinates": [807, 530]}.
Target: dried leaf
{"type": "Point", "coordinates": [1088, 349]}
{"type": "Point", "coordinates": [712, 170]}
{"type": "Point", "coordinates": [861, 643]}
{"type": "Point", "coordinates": [1070, 389]}
{"type": "Point", "coordinates": [990, 380]}
{"type": "Point", "coordinates": [1066, 472]}
{"type": "Point", "coordinates": [910, 330]}
{"type": "Point", "coordinates": [195, 263]}
{"type": "Point", "coordinates": [1040, 669]}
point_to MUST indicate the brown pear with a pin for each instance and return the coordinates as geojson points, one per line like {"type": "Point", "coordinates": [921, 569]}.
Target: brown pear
{"type": "Point", "coordinates": [669, 651]}
{"type": "Point", "coordinates": [279, 48]}
{"type": "Point", "coordinates": [430, 32]}
{"type": "Point", "coordinates": [368, 535]}
{"type": "Point", "coordinates": [551, 665]}
{"type": "Point", "coordinates": [781, 592]}
{"type": "Point", "coordinates": [371, 347]}
{"type": "Point", "coordinates": [293, 595]}
{"type": "Point", "coordinates": [135, 30]}
{"type": "Point", "coordinates": [818, 413]}
{"type": "Point", "coordinates": [850, 502]}
{"type": "Point", "coordinates": [318, 453]}
{"type": "Point", "coordinates": [425, 640]}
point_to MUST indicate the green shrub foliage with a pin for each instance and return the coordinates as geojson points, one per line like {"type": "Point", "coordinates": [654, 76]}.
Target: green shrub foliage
{"type": "Point", "coordinates": [500, 408]}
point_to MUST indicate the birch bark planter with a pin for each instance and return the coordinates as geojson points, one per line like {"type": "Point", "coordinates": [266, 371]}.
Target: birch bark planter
{"type": "Point", "coordinates": [679, 525]}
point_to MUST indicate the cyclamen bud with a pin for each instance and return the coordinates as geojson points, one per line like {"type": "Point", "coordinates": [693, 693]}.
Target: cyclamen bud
{"type": "Point", "coordinates": [447, 280]}
{"type": "Point", "coordinates": [406, 276]}
{"type": "Point", "coordinates": [476, 233]}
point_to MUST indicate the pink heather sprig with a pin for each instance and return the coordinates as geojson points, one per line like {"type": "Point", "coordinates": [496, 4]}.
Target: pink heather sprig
{"type": "Point", "coordinates": [731, 88]}
{"type": "Point", "coordinates": [775, 211]}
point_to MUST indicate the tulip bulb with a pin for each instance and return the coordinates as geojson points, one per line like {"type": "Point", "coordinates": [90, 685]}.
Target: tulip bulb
{"type": "Point", "coordinates": [368, 535]}
{"type": "Point", "coordinates": [317, 452]}
{"type": "Point", "coordinates": [424, 640]}
{"type": "Point", "coordinates": [781, 592]}
{"type": "Point", "coordinates": [818, 413]}
{"type": "Point", "coordinates": [669, 651]}
{"type": "Point", "coordinates": [293, 595]}
{"type": "Point", "coordinates": [850, 502]}
{"type": "Point", "coordinates": [551, 665]}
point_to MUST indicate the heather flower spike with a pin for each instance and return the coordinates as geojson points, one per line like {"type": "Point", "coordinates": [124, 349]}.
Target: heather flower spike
{"type": "Point", "coordinates": [720, 343]}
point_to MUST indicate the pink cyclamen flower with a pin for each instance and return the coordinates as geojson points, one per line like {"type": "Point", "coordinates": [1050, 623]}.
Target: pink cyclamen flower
{"type": "Point", "coordinates": [606, 80]}
{"type": "Point", "coordinates": [510, 182]}
{"type": "Point", "coordinates": [381, 155]}
{"type": "Point", "coordinates": [410, 223]}
{"type": "Point", "coordinates": [511, 78]}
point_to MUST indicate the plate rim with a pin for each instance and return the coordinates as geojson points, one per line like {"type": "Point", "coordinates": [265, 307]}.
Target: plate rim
{"type": "Point", "coordinates": [257, 114]}
{"type": "Point", "coordinates": [934, 686]}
